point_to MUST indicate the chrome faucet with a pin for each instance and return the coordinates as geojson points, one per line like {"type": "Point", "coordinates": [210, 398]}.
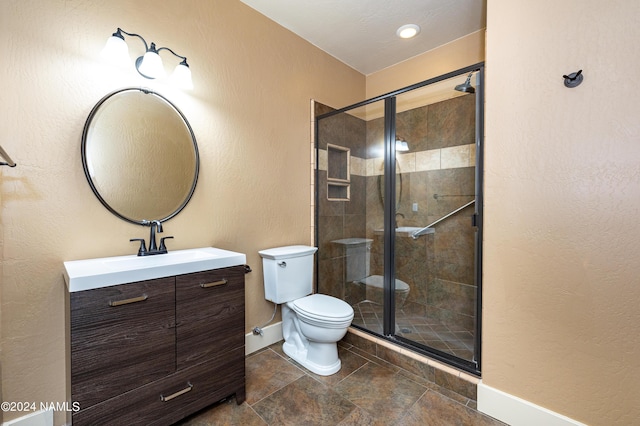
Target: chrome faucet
{"type": "Point", "coordinates": [156, 226]}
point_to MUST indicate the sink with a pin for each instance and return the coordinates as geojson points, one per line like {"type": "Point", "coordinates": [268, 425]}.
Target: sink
{"type": "Point", "coordinates": [406, 231]}
{"type": "Point", "coordinates": [88, 274]}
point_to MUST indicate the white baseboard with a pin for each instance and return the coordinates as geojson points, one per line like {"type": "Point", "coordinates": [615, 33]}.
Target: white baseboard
{"type": "Point", "coordinates": [270, 335]}
{"type": "Point", "coordinates": [38, 418]}
{"type": "Point", "coordinates": [517, 411]}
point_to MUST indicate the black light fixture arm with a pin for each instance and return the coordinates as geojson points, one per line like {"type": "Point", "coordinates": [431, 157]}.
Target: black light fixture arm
{"type": "Point", "coordinates": [119, 35]}
{"type": "Point", "coordinates": [184, 58]}
{"type": "Point", "coordinates": [151, 47]}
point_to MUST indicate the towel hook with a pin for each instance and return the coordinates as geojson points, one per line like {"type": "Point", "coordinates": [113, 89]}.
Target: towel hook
{"type": "Point", "coordinates": [9, 161]}
{"type": "Point", "coordinates": [573, 80]}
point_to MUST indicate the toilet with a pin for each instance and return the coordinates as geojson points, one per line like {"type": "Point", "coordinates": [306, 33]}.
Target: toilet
{"type": "Point", "coordinates": [357, 255]}
{"type": "Point", "coordinates": [374, 290]}
{"type": "Point", "coordinates": [312, 324]}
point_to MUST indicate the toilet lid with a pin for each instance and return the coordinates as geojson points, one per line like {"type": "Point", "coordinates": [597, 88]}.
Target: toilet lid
{"type": "Point", "coordinates": [321, 306]}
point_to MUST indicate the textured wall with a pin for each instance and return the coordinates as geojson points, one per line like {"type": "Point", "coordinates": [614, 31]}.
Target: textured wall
{"type": "Point", "coordinates": [250, 114]}
{"type": "Point", "coordinates": [561, 287]}
{"type": "Point", "coordinates": [458, 54]}
{"type": "Point", "coordinates": [562, 194]}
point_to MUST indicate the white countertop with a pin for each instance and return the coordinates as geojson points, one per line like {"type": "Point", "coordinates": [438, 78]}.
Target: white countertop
{"type": "Point", "coordinates": [88, 274]}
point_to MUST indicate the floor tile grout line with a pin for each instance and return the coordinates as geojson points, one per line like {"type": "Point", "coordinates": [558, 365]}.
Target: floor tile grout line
{"type": "Point", "coordinates": [283, 386]}
{"type": "Point", "coordinates": [329, 387]}
{"type": "Point", "coordinates": [408, 410]}
{"type": "Point", "coordinates": [257, 414]}
{"type": "Point", "coordinates": [275, 391]}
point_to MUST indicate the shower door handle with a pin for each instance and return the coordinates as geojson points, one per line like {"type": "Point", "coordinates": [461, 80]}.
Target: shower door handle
{"type": "Point", "coordinates": [474, 220]}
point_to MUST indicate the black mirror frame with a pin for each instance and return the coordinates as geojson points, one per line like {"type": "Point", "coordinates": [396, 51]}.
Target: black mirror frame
{"type": "Point", "coordinates": [85, 131]}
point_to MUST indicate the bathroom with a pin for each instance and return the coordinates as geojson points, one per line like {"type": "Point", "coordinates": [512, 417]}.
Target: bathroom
{"type": "Point", "coordinates": [251, 116]}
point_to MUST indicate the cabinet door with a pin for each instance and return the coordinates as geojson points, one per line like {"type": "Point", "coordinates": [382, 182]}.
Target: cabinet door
{"type": "Point", "coordinates": [122, 337]}
{"type": "Point", "coordinates": [168, 400]}
{"type": "Point", "coordinates": [209, 314]}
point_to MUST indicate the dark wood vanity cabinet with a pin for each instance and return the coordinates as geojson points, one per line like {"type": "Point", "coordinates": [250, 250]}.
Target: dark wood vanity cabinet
{"type": "Point", "coordinates": [153, 352]}
{"type": "Point", "coordinates": [209, 308]}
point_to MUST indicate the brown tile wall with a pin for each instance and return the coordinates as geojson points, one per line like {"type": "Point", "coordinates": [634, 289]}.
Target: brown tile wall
{"type": "Point", "coordinates": [445, 287]}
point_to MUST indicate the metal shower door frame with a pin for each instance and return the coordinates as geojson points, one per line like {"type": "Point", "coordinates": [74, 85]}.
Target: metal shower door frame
{"type": "Point", "coordinates": [389, 99]}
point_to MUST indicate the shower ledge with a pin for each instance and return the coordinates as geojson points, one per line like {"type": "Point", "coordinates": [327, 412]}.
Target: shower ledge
{"type": "Point", "coordinates": [406, 231]}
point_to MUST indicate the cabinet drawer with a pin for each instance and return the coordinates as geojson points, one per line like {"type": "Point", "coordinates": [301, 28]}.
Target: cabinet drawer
{"type": "Point", "coordinates": [122, 337]}
{"type": "Point", "coordinates": [172, 398]}
{"type": "Point", "coordinates": [209, 314]}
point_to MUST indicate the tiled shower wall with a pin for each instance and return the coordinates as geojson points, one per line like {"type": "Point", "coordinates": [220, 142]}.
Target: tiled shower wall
{"type": "Point", "coordinates": [339, 219]}
{"type": "Point", "coordinates": [437, 176]}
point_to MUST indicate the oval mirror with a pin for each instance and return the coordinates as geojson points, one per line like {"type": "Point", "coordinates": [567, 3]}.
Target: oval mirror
{"type": "Point", "coordinates": [140, 155]}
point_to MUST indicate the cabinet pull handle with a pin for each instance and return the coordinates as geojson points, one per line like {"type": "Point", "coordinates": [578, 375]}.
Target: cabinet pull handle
{"type": "Point", "coordinates": [127, 301]}
{"type": "Point", "coordinates": [177, 394]}
{"type": "Point", "coordinates": [214, 284]}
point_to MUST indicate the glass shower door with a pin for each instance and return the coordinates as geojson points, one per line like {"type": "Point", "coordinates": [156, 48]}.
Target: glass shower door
{"type": "Point", "coordinates": [396, 215]}
{"type": "Point", "coordinates": [349, 209]}
{"type": "Point", "coordinates": [435, 238]}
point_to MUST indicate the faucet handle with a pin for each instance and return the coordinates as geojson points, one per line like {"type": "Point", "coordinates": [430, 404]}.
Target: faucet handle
{"type": "Point", "coordinates": [143, 248]}
{"type": "Point", "coordinates": [162, 246]}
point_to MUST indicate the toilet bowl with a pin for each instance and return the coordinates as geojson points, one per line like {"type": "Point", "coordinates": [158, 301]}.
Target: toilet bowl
{"type": "Point", "coordinates": [374, 290]}
{"type": "Point", "coordinates": [357, 259]}
{"type": "Point", "coordinates": [312, 324]}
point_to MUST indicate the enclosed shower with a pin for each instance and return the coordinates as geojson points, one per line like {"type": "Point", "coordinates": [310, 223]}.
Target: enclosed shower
{"type": "Point", "coordinates": [399, 214]}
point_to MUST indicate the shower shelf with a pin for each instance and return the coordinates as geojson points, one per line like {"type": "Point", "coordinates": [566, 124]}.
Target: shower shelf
{"type": "Point", "coordinates": [338, 173]}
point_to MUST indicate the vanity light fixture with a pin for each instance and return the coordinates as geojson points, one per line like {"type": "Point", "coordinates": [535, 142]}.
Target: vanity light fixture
{"type": "Point", "coordinates": [408, 31]}
{"type": "Point", "coordinates": [150, 65]}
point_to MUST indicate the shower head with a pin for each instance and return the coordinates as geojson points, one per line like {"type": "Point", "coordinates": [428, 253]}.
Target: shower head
{"type": "Point", "coordinates": [466, 87]}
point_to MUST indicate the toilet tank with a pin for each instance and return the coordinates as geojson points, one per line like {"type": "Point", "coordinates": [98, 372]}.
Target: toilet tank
{"type": "Point", "coordinates": [357, 259]}
{"type": "Point", "coordinates": [288, 272]}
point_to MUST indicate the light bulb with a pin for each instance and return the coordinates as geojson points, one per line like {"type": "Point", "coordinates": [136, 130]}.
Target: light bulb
{"type": "Point", "coordinates": [151, 65]}
{"type": "Point", "coordinates": [408, 31]}
{"type": "Point", "coordinates": [181, 76]}
{"type": "Point", "coordinates": [116, 51]}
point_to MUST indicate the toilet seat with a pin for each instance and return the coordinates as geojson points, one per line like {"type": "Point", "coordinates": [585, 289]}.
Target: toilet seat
{"type": "Point", "coordinates": [323, 311]}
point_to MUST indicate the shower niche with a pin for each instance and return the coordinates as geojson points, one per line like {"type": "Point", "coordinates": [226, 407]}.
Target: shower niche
{"type": "Point", "coordinates": [338, 173]}
{"type": "Point", "coordinates": [424, 292]}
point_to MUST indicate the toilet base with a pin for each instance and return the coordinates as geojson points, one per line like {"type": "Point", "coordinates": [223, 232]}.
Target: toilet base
{"type": "Point", "coordinates": [300, 356]}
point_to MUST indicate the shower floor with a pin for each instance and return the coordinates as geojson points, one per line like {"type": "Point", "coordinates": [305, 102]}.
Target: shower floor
{"type": "Point", "coordinates": [419, 328]}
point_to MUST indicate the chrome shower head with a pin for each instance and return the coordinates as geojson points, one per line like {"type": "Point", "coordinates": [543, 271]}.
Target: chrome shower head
{"type": "Point", "coordinates": [466, 87]}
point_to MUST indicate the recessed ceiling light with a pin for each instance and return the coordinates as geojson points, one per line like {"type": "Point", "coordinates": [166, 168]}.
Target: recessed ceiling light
{"type": "Point", "coordinates": [408, 31]}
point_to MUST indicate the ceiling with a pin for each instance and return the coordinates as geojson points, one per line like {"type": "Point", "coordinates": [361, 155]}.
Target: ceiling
{"type": "Point", "coordinates": [362, 33]}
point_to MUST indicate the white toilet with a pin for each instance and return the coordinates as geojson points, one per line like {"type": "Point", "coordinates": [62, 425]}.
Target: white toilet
{"type": "Point", "coordinates": [312, 324]}
{"type": "Point", "coordinates": [357, 255]}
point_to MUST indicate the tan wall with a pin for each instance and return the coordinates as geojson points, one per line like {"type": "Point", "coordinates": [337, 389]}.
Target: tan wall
{"type": "Point", "coordinates": [562, 194]}
{"type": "Point", "coordinates": [250, 113]}
{"type": "Point", "coordinates": [457, 54]}
{"type": "Point", "coordinates": [562, 178]}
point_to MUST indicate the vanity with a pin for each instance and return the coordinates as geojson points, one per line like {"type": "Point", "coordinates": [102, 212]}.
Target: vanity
{"type": "Point", "coordinates": [154, 339]}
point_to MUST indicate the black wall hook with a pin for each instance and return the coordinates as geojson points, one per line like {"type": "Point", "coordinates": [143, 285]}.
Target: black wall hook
{"type": "Point", "coordinates": [574, 79]}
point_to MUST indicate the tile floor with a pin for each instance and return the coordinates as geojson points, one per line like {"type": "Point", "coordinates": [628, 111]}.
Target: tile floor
{"type": "Point", "coordinates": [420, 328]}
{"type": "Point", "coordinates": [366, 391]}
